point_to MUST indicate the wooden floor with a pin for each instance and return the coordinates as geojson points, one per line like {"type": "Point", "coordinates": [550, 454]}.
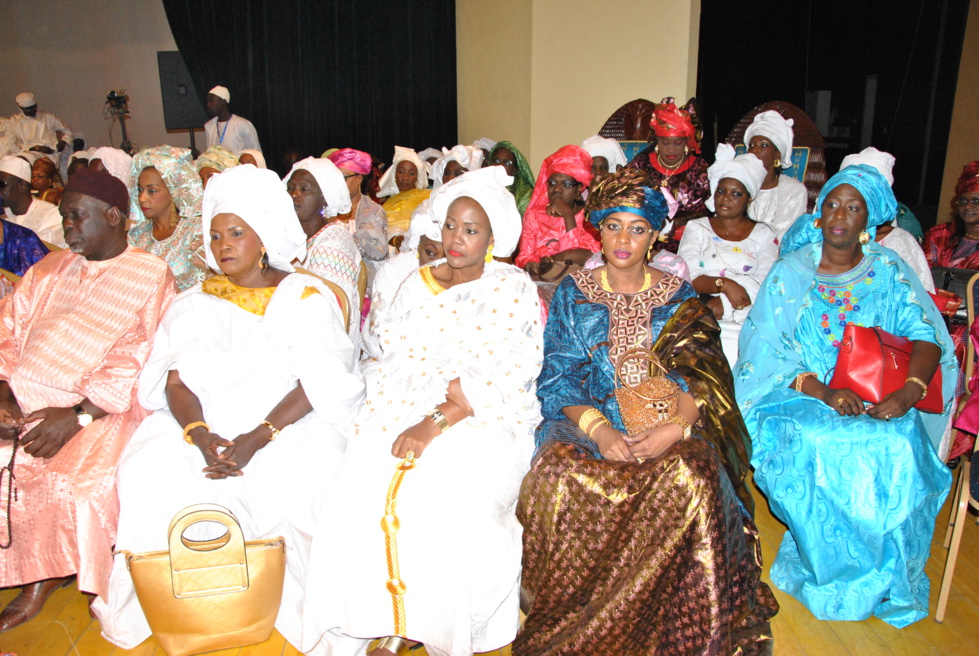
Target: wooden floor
{"type": "Point", "coordinates": [64, 628]}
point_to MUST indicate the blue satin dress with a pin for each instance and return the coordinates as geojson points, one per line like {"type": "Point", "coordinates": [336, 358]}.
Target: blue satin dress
{"type": "Point", "coordinates": [859, 495]}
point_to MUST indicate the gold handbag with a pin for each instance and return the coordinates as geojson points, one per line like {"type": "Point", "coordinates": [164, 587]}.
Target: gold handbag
{"type": "Point", "coordinates": [653, 402]}
{"type": "Point", "coordinates": [205, 595]}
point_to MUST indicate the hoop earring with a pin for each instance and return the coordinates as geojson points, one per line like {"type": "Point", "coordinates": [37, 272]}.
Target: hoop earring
{"type": "Point", "coordinates": [264, 262]}
{"type": "Point", "coordinates": [778, 163]}
{"type": "Point", "coordinates": [817, 224]}
{"type": "Point", "coordinates": [864, 237]}
{"type": "Point", "coordinates": [489, 254]}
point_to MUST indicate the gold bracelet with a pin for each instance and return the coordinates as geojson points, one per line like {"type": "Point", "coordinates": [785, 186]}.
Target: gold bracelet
{"type": "Point", "coordinates": [801, 379]}
{"type": "Point", "coordinates": [189, 427]}
{"type": "Point", "coordinates": [439, 419]}
{"type": "Point", "coordinates": [685, 425]}
{"type": "Point", "coordinates": [273, 431]}
{"type": "Point", "coordinates": [588, 420]}
{"type": "Point", "coordinates": [920, 383]}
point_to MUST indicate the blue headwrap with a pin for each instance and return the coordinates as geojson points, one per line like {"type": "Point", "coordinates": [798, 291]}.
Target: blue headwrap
{"type": "Point", "coordinates": [876, 192]}
{"type": "Point", "coordinates": [626, 190]}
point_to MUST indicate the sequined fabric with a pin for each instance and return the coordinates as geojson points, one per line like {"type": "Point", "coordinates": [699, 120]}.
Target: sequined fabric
{"type": "Point", "coordinates": [652, 558]}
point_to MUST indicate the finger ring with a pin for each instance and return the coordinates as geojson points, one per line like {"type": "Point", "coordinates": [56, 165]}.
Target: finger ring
{"type": "Point", "coordinates": [887, 416]}
{"type": "Point", "coordinates": [839, 401]}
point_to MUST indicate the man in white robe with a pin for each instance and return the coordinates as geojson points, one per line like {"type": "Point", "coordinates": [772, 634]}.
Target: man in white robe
{"type": "Point", "coordinates": [22, 208]}
{"type": "Point", "coordinates": [226, 129]}
{"type": "Point", "coordinates": [35, 127]}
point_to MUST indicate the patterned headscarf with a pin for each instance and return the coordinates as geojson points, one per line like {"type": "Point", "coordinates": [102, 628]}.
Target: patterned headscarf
{"type": "Point", "coordinates": [523, 181]}
{"type": "Point", "coordinates": [672, 121]}
{"type": "Point", "coordinates": [217, 157]}
{"type": "Point", "coordinates": [969, 180]}
{"type": "Point", "coordinates": [176, 167]}
{"type": "Point", "coordinates": [626, 190]}
{"type": "Point", "coordinates": [352, 160]}
{"type": "Point", "coordinates": [569, 160]}
{"type": "Point", "coordinates": [877, 194]}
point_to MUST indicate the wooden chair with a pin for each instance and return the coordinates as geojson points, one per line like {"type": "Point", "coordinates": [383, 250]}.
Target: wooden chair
{"type": "Point", "coordinates": [52, 247]}
{"type": "Point", "coordinates": [961, 498]}
{"type": "Point", "coordinates": [956, 281]}
{"type": "Point", "coordinates": [338, 292]}
{"type": "Point", "coordinates": [806, 139]}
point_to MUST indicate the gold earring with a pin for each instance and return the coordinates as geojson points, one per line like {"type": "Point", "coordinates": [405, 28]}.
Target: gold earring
{"type": "Point", "coordinates": [686, 151]}
{"type": "Point", "coordinates": [864, 237]}
{"type": "Point", "coordinates": [489, 254]}
{"type": "Point", "coordinates": [817, 224]}
{"type": "Point", "coordinates": [264, 260]}
{"type": "Point", "coordinates": [656, 149]}
{"type": "Point", "coordinates": [778, 163]}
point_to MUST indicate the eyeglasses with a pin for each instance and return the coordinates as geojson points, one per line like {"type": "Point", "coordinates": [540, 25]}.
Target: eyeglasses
{"type": "Point", "coordinates": [3, 183]}
{"type": "Point", "coordinates": [503, 162]}
{"type": "Point", "coordinates": [347, 176]}
{"type": "Point", "coordinates": [567, 184]}
{"type": "Point", "coordinates": [962, 202]}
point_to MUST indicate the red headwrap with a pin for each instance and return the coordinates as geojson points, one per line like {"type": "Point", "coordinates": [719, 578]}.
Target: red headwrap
{"type": "Point", "coordinates": [569, 160]}
{"type": "Point", "coordinates": [969, 180]}
{"type": "Point", "coordinates": [670, 121]}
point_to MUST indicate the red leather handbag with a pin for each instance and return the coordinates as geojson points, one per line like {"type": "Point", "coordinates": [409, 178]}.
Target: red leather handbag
{"type": "Point", "coordinates": [874, 363]}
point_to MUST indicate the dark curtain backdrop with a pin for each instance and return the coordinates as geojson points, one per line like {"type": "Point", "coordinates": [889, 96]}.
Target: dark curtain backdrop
{"type": "Point", "coordinates": [318, 74]}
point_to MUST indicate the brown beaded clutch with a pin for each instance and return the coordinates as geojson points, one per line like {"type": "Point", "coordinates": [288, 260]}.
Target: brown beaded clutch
{"type": "Point", "coordinates": [653, 402]}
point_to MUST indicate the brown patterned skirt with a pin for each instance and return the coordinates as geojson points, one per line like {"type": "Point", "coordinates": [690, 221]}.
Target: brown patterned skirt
{"type": "Point", "coordinates": [650, 558]}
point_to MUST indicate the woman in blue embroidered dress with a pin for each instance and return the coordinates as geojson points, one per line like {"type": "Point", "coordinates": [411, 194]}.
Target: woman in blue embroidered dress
{"type": "Point", "coordinates": [858, 485]}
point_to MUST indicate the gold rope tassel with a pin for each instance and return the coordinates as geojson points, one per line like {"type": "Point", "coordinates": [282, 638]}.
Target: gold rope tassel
{"type": "Point", "coordinates": [390, 525]}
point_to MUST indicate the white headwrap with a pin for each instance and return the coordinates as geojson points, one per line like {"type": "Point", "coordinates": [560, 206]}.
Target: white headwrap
{"type": "Point", "coordinates": [17, 167]}
{"type": "Point", "coordinates": [771, 124]}
{"type": "Point", "coordinates": [260, 199]}
{"type": "Point", "coordinates": [878, 159]}
{"type": "Point", "coordinates": [423, 224]}
{"type": "Point", "coordinates": [116, 162]}
{"type": "Point", "coordinates": [610, 149]}
{"type": "Point", "coordinates": [331, 182]}
{"type": "Point", "coordinates": [485, 143]}
{"type": "Point", "coordinates": [470, 157]}
{"type": "Point", "coordinates": [25, 99]}
{"type": "Point", "coordinates": [488, 187]}
{"type": "Point", "coordinates": [257, 154]}
{"type": "Point", "coordinates": [221, 92]}
{"type": "Point", "coordinates": [388, 183]}
{"type": "Point", "coordinates": [747, 169]}
{"type": "Point", "coordinates": [429, 152]}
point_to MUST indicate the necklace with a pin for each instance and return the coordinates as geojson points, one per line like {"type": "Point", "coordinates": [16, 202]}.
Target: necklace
{"type": "Point", "coordinates": [672, 169]}
{"type": "Point", "coordinates": [646, 283]}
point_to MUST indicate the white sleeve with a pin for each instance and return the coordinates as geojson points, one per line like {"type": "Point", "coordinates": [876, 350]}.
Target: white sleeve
{"type": "Point", "coordinates": [249, 136]}
{"type": "Point", "coordinates": [691, 249]}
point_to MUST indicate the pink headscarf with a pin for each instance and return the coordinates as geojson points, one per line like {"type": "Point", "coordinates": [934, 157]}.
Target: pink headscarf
{"type": "Point", "coordinates": [352, 160]}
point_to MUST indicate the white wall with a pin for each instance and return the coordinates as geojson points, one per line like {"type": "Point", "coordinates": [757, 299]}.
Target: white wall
{"type": "Point", "coordinates": [70, 53]}
{"type": "Point", "coordinates": [545, 73]}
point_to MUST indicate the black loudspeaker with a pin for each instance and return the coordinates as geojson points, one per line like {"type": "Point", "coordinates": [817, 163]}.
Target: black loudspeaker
{"type": "Point", "coordinates": [182, 109]}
